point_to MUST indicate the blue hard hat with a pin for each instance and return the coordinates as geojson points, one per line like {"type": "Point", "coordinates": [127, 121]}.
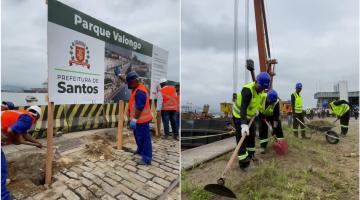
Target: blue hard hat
{"type": "Point", "coordinates": [131, 76]}
{"type": "Point", "coordinates": [298, 86]}
{"type": "Point", "coordinates": [325, 104]}
{"type": "Point", "coordinates": [263, 79]}
{"type": "Point", "coordinates": [272, 96]}
{"type": "Point", "coordinates": [9, 104]}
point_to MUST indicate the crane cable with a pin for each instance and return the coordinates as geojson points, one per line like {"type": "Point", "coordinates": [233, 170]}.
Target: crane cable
{"type": "Point", "coordinates": [246, 39]}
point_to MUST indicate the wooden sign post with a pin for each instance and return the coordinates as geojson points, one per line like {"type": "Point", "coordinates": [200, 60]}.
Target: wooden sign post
{"type": "Point", "coordinates": [120, 125]}
{"type": "Point", "coordinates": [49, 143]}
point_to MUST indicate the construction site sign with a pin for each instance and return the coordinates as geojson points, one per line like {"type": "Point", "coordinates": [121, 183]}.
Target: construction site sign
{"type": "Point", "coordinates": [84, 54]}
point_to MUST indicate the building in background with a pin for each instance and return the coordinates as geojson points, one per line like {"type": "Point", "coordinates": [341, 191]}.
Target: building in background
{"type": "Point", "coordinates": [340, 92]}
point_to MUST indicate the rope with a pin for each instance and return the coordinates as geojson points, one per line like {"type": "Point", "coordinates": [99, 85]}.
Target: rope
{"type": "Point", "coordinates": [206, 136]}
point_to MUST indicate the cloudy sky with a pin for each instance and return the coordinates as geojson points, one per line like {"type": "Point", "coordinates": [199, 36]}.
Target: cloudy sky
{"type": "Point", "coordinates": [23, 28]}
{"type": "Point", "coordinates": [315, 42]}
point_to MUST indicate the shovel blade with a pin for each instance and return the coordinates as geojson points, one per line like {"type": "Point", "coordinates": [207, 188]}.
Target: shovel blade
{"type": "Point", "coordinates": [281, 147]}
{"type": "Point", "coordinates": [220, 190]}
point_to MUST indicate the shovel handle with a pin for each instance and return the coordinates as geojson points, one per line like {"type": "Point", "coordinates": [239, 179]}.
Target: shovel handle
{"type": "Point", "coordinates": [300, 121]}
{"type": "Point", "coordinates": [32, 144]}
{"type": "Point", "coordinates": [233, 155]}
{"type": "Point", "coordinates": [271, 129]}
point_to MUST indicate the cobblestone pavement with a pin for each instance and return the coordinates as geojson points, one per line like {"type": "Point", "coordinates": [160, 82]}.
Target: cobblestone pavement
{"type": "Point", "coordinates": [119, 178]}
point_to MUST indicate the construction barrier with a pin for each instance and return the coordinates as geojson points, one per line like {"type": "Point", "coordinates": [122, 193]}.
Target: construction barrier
{"type": "Point", "coordinates": [80, 117]}
{"type": "Point", "coordinates": [77, 117]}
{"type": "Point", "coordinates": [111, 111]}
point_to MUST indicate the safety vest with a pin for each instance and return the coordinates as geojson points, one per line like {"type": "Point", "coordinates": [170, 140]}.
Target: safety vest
{"type": "Point", "coordinates": [339, 110]}
{"type": "Point", "coordinates": [9, 118]}
{"type": "Point", "coordinates": [178, 103]}
{"type": "Point", "coordinates": [298, 103]}
{"type": "Point", "coordinates": [267, 111]}
{"type": "Point", "coordinates": [145, 114]}
{"type": "Point", "coordinates": [169, 98]}
{"type": "Point", "coordinates": [254, 103]}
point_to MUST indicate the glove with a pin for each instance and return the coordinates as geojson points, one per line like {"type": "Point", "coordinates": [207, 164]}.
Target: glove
{"type": "Point", "coordinates": [244, 130]}
{"type": "Point", "coordinates": [133, 124]}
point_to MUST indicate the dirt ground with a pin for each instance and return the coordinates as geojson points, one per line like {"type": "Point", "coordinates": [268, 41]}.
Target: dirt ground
{"type": "Point", "coordinates": [313, 169]}
{"type": "Point", "coordinates": [27, 172]}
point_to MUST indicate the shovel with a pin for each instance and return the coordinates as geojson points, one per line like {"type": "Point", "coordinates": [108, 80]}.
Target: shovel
{"type": "Point", "coordinates": [219, 188]}
{"type": "Point", "coordinates": [280, 147]}
{"type": "Point", "coordinates": [57, 153]}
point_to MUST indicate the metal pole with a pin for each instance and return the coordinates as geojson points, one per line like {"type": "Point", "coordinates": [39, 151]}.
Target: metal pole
{"type": "Point", "coordinates": [246, 39]}
{"type": "Point", "coordinates": [235, 64]}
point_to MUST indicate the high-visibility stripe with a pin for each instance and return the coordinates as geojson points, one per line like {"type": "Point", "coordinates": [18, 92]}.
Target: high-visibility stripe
{"type": "Point", "coordinates": [280, 138]}
{"type": "Point", "coordinates": [345, 126]}
{"type": "Point", "coordinates": [264, 140]}
{"type": "Point", "coordinates": [250, 148]}
{"type": "Point", "coordinates": [244, 156]}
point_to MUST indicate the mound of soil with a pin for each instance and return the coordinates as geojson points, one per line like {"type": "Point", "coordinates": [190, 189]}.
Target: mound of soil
{"type": "Point", "coordinates": [321, 123]}
{"type": "Point", "coordinates": [99, 150]}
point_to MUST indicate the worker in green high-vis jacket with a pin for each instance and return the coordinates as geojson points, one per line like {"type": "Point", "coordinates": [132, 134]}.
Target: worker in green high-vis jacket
{"type": "Point", "coordinates": [341, 109]}
{"type": "Point", "coordinates": [245, 107]}
{"type": "Point", "coordinates": [298, 115]}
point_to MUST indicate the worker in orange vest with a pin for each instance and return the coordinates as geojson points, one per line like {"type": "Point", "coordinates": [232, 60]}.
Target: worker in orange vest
{"type": "Point", "coordinates": [14, 127]}
{"type": "Point", "coordinates": [167, 104]}
{"type": "Point", "coordinates": [139, 113]}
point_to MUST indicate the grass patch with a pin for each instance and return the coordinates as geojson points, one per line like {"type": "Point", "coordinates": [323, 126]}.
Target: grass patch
{"type": "Point", "coordinates": [194, 191]}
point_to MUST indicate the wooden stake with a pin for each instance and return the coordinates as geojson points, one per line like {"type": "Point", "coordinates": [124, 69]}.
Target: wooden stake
{"type": "Point", "coordinates": [120, 125]}
{"type": "Point", "coordinates": [49, 137]}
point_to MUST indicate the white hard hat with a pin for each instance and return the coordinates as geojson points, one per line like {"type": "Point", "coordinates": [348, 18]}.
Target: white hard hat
{"type": "Point", "coordinates": [37, 109]}
{"type": "Point", "coordinates": [163, 80]}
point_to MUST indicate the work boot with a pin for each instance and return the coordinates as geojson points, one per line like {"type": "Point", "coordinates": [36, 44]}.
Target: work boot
{"type": "Point", "coordinates": [262, 150]}
{"type": "Point", "coordinates": [343, 135]}
{"type": "Point", "coordinates": [165, 137]}
{"type": "Point", "coordinates": [176, 137]}
{"type": "Point", "coordinates": [141, 162]}
{"type": "Point", "coordinates": [244, 164]}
